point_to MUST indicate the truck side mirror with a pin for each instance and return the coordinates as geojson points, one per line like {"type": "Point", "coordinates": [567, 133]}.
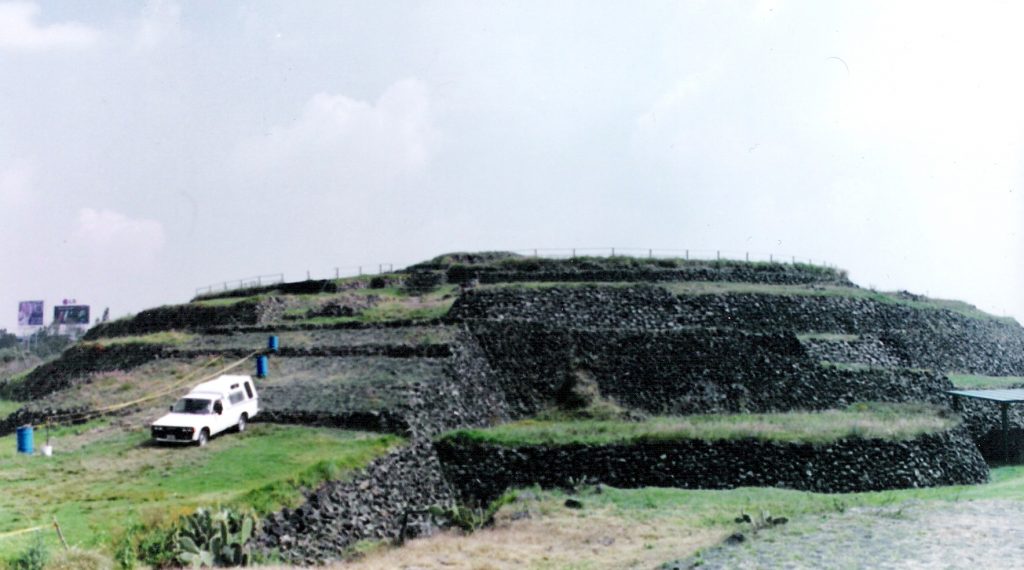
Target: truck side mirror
{"type": "Point", "coordinates": [171, 407]}
{"type": "Point", "coordinates": [218, 408]}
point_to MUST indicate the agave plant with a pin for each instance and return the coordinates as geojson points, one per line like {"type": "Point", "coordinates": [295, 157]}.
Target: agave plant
{"type": "Point", "coordinates": [218, 538]}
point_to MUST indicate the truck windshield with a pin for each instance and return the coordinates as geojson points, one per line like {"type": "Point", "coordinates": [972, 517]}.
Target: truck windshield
{"type": "Point", "coordinates": [192, 406]}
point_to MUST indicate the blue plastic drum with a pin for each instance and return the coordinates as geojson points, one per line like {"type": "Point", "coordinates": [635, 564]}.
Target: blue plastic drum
{"type": "Point", "coordinates": [261, 366]}
{"type": "Point", "coordinates": [25, 439]}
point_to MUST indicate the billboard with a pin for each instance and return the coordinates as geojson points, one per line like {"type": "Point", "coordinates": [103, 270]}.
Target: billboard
{"type": "Point", "coordinates": [71, 315]}
{"type": "Point", "coordinates": [30, 313]}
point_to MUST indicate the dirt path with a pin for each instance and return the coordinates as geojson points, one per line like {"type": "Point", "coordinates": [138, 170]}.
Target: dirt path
{"type": "Point", "coordinates": [967, 534]}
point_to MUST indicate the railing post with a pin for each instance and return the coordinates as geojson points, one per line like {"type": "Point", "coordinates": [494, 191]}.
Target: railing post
{"type": "Point", "coordinates": [336, 273]}
{"type": "Point", "coordinates": [380, 269]}
{"type": "Point", "coordinates": [771, 258]}
{"type": "Point", "coordinates": [687, 255]}
{"type": "Point", "coordinates": [650, 254]}
{"type": "Point", "coordinates": [718, 255]}
{"type": "Point", "coordinates": [360, 270]}
{"type": "Point", "coordinates": [613, 252]}
{"type": "Point", "coordinates": [748, 256]}
{"type": "Point", "coordinates": [574, 253]}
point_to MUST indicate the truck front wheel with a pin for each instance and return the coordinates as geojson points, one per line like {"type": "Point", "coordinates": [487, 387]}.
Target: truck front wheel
{"type": "Point", "coordinates": [204, 437]}
{"type": "Point", "coordinates": [242, 420]}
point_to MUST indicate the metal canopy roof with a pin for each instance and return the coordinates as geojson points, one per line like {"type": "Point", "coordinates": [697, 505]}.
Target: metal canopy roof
{"type": "Point", "coordinates": [1004, 396]}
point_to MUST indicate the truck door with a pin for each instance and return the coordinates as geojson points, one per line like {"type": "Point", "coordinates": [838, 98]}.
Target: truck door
{"type": "Point", "coordinates": [221, 416]}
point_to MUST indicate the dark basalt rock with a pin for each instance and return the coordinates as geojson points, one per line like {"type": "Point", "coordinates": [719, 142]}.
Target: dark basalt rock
{"type": "Point", "coordinates": [685, 371]}
{"type": "Point", "coordinates": [388, 499]}
{"type": "Point", "coordinates": [482, 472]}
{"type": "Point", "coordinates": [78, 362]}
{"type": "Point", "coordinates": [640, 346]}
{"type": "Point", "coordinates": [911, 337]}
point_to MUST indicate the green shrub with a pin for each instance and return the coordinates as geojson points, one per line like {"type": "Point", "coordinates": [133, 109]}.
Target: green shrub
{"type": "Point", "coordinates": [470, 519]}
{"type": "Point", "coordinates": [154, 547]}
{"type": "Point", "coordinates": [34, 557]}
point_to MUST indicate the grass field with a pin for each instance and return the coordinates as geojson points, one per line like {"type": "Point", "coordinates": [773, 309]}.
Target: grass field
{"type": "Point", "coordinates": [8, 407]}
{"type": "Point", "coordinates": [102, 478]}
{"type": "Point", "coordinates": [165, 338]}
{"type": "Point", "coordinates": [886, 421]}
{"type": "Point", "coordinates": [978, 382]}
{"type": "Point", "coordinates": [641, 528]}
{"type": "Point", "coordinates": [227, 301]}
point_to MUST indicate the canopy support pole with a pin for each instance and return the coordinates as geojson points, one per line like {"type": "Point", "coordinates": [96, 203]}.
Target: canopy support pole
{"type": "Point", "coordinates": [1004, 410]}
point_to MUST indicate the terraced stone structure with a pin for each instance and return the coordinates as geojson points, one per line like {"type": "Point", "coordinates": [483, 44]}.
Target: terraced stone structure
{"type": "Point", "coordinates": [471, 340]}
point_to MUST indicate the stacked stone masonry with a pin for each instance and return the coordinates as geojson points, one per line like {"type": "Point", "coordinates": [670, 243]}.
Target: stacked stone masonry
{"type": "Point", "coordinates": [481, 472]}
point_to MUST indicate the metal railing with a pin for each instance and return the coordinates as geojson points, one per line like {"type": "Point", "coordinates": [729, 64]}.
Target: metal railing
{"type": "Point", "coordinates": [277, 278]}
{"type": "Point", "coordinates": [257, 281]}
{"type": "Point", "coordinates": [545, 252]}
{"type": "Point", "coordinates": [665, 253]}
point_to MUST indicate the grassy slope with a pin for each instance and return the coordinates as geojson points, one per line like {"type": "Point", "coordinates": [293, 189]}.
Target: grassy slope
{"type": "Point", "coordinates": [874, 421]}
{"type": "Point", "coordinates": [101, 479]}
{"type": "Point", "coordinates": [978, 382]}
{"type": "Point", "coordinates": [162, 338]}
{"type": "Point", "coordinates": [706, 288]}
{"type": "Point", "coordinates": [8, 407]}
{"type": "Point", "coordinates": [396, 304]}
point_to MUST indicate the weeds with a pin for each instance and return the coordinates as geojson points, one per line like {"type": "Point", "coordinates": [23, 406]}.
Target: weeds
{"type": "Point", "coordinates": [470, 519]}
{"type": "Point", "coordinates": [78, 559]}
{"type": "Point", "coordinates": [763, 520]}
{"type": "Point", "coordinates": [34, 557]}
{"type": "Point", "coordinates": [864, 420]}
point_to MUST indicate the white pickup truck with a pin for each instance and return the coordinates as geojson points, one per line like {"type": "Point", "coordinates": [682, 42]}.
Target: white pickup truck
{"type": "Point", "coordinates": [210, 408]}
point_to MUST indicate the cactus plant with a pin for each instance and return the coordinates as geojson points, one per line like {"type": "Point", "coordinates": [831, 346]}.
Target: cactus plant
{"type": "Point", "coordinates": [218, 538]}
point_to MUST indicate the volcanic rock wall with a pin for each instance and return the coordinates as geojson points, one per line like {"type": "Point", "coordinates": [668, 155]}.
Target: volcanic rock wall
{"type": "Point", "coordinates": [393, 492]}
{"type": "Point", "coordinates": [183, 317]}
{"type": "Point", "coordinates": [389, 496]}
{"type": "Point", "coordinates": [686, 371]}
{"type": "Point", "coordinates": [77, 362]}
{"type": "Point", "coordinates": [913, 337]}
{"type": "Point", "coordinates": [481, 472]}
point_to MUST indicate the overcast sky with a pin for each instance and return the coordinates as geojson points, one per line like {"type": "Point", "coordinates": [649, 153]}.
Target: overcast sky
{"type": "Point", "coordinates": [148, 149]}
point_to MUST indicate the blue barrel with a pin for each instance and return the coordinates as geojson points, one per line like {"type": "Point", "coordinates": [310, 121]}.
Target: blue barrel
{"type": "Point", "coordinates": [272, 343]}
{"type": "Point", "coordinates": [261, 366]}
{"type": "Point", "coordinates": [25, 439]}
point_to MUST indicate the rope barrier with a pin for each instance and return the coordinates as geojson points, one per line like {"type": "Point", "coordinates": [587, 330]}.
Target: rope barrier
{"type": "Point", "coordinates": [106, 409]}
{"type": "Point", "coordinates": [22, 531]}
{"type": "Point", "coordinates": [89, 414]}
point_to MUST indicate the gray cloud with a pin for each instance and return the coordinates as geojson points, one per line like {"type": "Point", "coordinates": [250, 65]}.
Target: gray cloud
{"type": "Point", "coordinates": [205, 142]}
{"type": "Point", "coordinates": [20, 30]}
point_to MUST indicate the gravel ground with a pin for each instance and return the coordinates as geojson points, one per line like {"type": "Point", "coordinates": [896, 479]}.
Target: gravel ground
{"type": "Point", "coordinates": [969, 534]}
